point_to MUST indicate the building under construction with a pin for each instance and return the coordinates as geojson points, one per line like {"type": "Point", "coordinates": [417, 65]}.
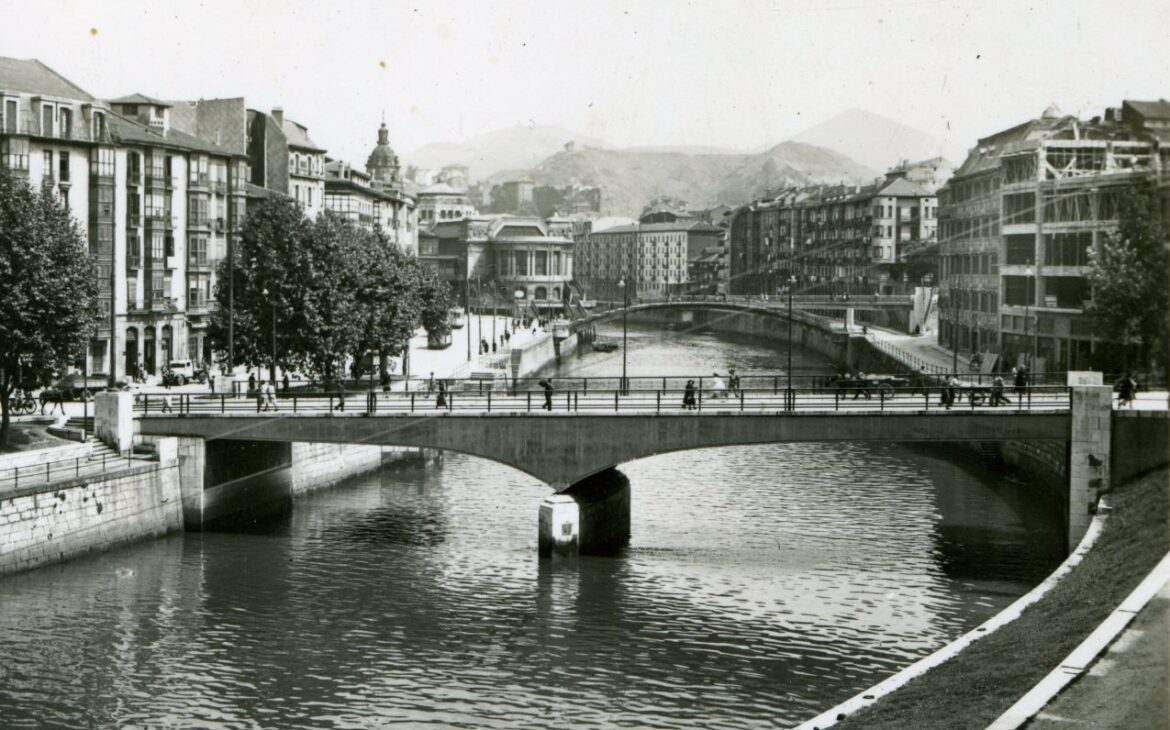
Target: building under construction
{"type": "Point", "coordinates": [1017, 222]}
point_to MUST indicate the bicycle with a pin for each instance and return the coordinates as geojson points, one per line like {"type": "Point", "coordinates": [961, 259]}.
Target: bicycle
{"type": "Point", "coordinates": [23, 404]}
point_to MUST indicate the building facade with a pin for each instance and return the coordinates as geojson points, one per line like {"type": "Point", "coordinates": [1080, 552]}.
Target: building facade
{"type": "Point", "coordinates": [441, 203]}
{"type": "Point", "coordinates": [835, 239]}
{"type": "Point", "coordinates": [159, 208]}
{"type": "Point", "coordinates": [647, 259]}
{"type": "Point", "coordinates": [1019, 220]}
{"type": "Point", "coordinates": [529, 260]}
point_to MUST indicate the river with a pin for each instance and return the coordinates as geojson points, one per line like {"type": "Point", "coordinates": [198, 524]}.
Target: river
{"type": "Point", "coordinates": [762, 585]}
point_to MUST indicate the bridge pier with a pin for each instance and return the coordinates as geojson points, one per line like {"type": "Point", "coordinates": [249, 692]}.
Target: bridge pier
{"type": "Point", "coordinates": [1088, 455]}
{"type": "Point", "coordinates": [591, 517]}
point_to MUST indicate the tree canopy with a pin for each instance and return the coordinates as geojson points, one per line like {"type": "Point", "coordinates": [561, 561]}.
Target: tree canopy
{"type": "Point", "coordinates": [48, 285]}
{"type": "Point", "coordinates": [1128, 279]}
{"type": "Point", "coordinates": [321, 294]}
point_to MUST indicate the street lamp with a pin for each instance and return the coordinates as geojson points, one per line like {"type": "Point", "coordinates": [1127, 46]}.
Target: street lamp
{"type": "Point", "coordinates": [1028, 294]}
{"type": "Point", "coordinates": [789, 400]}
{"type": "Point", "coordinates": [272, 370]}
{"type": "Point", "coordinates": [624, 386]}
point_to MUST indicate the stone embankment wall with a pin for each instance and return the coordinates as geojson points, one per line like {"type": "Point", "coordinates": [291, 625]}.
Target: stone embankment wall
{"type": "Point", "coordinates": [319, 466]}
{"type": "Point", "coordinates": [48, 524]}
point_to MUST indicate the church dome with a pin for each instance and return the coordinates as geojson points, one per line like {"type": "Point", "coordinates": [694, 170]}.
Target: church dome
{"type": "Point", "coordinates": [382, 164]}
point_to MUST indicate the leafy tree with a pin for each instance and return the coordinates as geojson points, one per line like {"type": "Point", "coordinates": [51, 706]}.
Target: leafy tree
{"type": "Point", "coordinates": [436, 301]}
{"type": "Point", "coordinates": [260, 293]}
{"type": "Point", "coordinates": [388, 297]}
{"type": "Point", "coordinates": [48, 284]}
{"type": "Point", "coordinates": [1127, 276]}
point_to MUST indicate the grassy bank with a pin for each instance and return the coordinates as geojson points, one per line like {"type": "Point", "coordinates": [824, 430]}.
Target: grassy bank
{"type": "Point", "coordinates": [978, 685]}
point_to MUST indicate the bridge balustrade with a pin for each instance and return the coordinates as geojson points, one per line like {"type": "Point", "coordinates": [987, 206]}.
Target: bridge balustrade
{"type": "Point", "coordinates": [849, 396]}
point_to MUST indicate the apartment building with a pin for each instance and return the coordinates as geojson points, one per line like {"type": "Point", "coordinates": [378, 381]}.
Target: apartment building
{"type": "Point", "coordinates": [158, 207]}
{"type": "Point", "coordinates": [843, 238]}
{"type": "Point", "coordinates": [647, 259]}
{"type": "Point", "coordinates": [283, 158]}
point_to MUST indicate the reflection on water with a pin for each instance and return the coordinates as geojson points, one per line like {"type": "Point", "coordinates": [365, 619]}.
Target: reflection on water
{"type": "Point", "coordinates": [762, 584]}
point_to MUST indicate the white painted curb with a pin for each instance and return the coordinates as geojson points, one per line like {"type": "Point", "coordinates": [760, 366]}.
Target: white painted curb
{"type": "Point", "coordinates": [1011, 613]}
{"type": "Point", "coordinates": [1075, 664]}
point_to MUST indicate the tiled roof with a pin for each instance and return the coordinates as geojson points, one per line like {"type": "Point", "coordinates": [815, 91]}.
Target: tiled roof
{"type": "Point", "coordinates": [985, 155]}
{"type": "Point", "coordinates": [903, 187]}
{"type": "Point", "coordinates": [140, 99]}
{"type": "Point", "coordinates": [688, 225]}
{"type": "Point", "coordinates": [298, 136]}
{"type": "Point", "coordinates": [1151, 109]}
{"type": "Point", "coordinates": [129, 131]}
{"type": "Point", "coordinates": [30, 76]}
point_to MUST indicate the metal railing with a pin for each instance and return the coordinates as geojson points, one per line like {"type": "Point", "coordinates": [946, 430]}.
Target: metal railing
{"type": "Point", "coordinates": [63, 469]}
{"type": "Point", "coordinates": [852, 396]}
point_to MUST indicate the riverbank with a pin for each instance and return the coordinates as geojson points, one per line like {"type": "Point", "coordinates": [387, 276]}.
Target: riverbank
{"type": "Point", "coordinates": [978, 685]}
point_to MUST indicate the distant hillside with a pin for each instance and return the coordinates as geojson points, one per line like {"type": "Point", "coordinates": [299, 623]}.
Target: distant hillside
{"type": "Point", "coordinates": [518, 147]}
{"type": "Point", "coordinates": [872, 139]}
{"type": "Point", "coordinates": [630, 178]}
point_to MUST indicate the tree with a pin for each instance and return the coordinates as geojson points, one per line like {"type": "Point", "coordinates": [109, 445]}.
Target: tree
{"type": "Point", "coordinates": [1127, 277]}
{"type": "Point", "coordinates": [436, 301]}
{"type": "Point", "coordinates": [49, 285]}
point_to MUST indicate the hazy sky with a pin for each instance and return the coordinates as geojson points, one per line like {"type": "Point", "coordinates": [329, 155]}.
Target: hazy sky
{"type": "Point", "coordinates": [731, 74]}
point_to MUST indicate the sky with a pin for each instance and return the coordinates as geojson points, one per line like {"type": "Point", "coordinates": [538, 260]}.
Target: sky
{"type": "Point", "coordinates": [742, 75]}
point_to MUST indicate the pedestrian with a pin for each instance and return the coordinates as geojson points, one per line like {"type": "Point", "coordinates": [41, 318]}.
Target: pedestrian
{"type": "Point", "coordinates": [862, 386]}
{"type": "Point", "coordinates": [284, 383]}
{"type": "Point", "coordinates": [211, 381]}
{"type": "Point", "coordinates": [1126, 389]}
{"type": "Point", "coordinates": [548, 392]}
{"type": "Point", "coordinates": [732, 382]}
{"type": "Point", "coordinates": [431, 384]}
{"type": "Point", "coordinates": [997, 396]}
{"type": "Point", "coordinates": [441, 399]}
{"type": "Point", "coordinates": [270, 396]}
{"type": "Point", "coordinates": [258, 393]}
{"type": "Point", "coordinates": [689, 396]}
{"type": "Point", "coordinates": [251, 383]}
{"type": "Point", "coordinates": [507, 337]}
{"type": "Point", "coordinates": [340, 388]}
{"type": "Point", "coordinates": [1021, 382]}
{"type": "Point", "coordinates": [718, 387]}
{"type": "Point", "coordinates": [493, 347]}
{"type": "Point", "coordinates": [951, 391]}
{"type": "Point", "coordinates": [166, 403]}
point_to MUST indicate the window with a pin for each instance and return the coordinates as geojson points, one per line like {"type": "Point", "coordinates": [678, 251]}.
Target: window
{"type": "Point", "coordinates": [14, 154]}
{"type": "Point", "coordinates": [1018, 290]}
{"type": "Point", "coordinates": [99, 126]}
{"type": "Point", "coordinates": [1021, 249]}
{"type": "Point", "coordinates": [169, 245]}
{"type": "Point", "coordinates": [156, 246]}
{"type": "Point", "coordinates": [65, 123]}
{"type": "Point", "coordinates": [10, 110]}
{"type": "Point", "coordinates": [1067, 249]}
{"type": "Point", "coordinates": [105, 201]}
{"type": "Point", "coordinates": [157, 290]}
{"type": "Point", "coordinates": [46, 120]}
{"type": "Point", "coordinates": [101, 162]}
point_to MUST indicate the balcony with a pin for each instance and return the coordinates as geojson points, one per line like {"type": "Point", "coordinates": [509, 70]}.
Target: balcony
{"type": "Point", "coordinates": [198, 220]}
{"type": "Point", "coordinates": [133, 263]}
{"type": "Point", "coordinates": [160, 304]}
{"type": "Point", "coordinates": [198, 180]}
{"type": "Point", "coordinates": [133, 220]}
{"type": "Point", "coordinates": [220, 187]}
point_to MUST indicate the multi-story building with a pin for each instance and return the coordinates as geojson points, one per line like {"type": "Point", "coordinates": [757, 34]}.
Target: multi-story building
{"type": "Point", "coordinates": [529, 258]}
{"type": "Point", "coordinates": [374, 199]}
{"type": "Point", "coordinates": [844, 238]}
{"type": "Point", "coordinates": [283, 158]}
{"type": "Point", "coordinates": [158, 206]}
{"type": "Point", "coordinates": [440, 203]}
{"type": "Point", "coordinates": [1019, 219]}
{"type": "Point", "coordinates": [647, 259]}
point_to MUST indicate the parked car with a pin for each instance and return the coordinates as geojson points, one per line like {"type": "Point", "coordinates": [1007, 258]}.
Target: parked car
{"type": "Point", "coordinates": [184, 370]}
{"type": "Point", "coordinates": [74, 385]}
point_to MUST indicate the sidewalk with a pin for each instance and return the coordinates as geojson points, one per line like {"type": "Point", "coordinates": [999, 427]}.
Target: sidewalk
{"type": "Point", "coordinates": [1127, 685]}
{"type": "Point", "coordinates": [917, 351]}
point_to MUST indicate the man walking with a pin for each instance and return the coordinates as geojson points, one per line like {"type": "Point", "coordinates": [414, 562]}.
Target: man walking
{"type": "Point", "coordinates": [548, 392]}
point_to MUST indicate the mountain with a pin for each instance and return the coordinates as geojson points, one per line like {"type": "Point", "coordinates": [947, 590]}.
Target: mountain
{"type": "Point", "coordinates": [629, 179]}
{"type": "Point", "coordinates": [872, 139]}
{"type": "Point", "coordinates": [519, 147]}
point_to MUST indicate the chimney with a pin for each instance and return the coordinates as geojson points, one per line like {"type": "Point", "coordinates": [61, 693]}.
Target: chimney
{"type": "Point", "coordinates": [278, 115]}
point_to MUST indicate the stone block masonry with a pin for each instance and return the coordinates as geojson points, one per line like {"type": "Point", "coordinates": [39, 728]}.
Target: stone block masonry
{"type": "Point", "coordinates": [48, 524]}
{"type": "Point", "coordinates": [320, 465]}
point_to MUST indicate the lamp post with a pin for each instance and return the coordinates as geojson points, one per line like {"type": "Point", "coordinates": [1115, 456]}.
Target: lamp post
{"type": "Point", "coordinates": [1029, 352]}
{"type": "Point", "coordinates": [272, 370]}
{"type": "Point", "coordinates": [625, 286]}
{"type": "Point", "coordinates": [467, 309]}
{"type": "Point", "coordinates": [789, 400]}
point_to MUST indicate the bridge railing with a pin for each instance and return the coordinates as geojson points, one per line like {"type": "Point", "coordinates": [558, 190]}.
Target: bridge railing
{"type": "Point", "coordinates": [63, 469]}
{"type": "Point", "coordinates": [850, 396]}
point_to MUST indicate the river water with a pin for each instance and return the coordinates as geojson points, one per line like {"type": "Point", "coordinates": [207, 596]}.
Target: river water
{"type": "Point", "coordinates": [762, 585]}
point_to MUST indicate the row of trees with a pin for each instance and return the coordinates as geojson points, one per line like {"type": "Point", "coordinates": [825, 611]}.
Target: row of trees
{"type": "Point", "coordinates": [314, 296]}
{"type": "Point", "coordinates": [48, 289]}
